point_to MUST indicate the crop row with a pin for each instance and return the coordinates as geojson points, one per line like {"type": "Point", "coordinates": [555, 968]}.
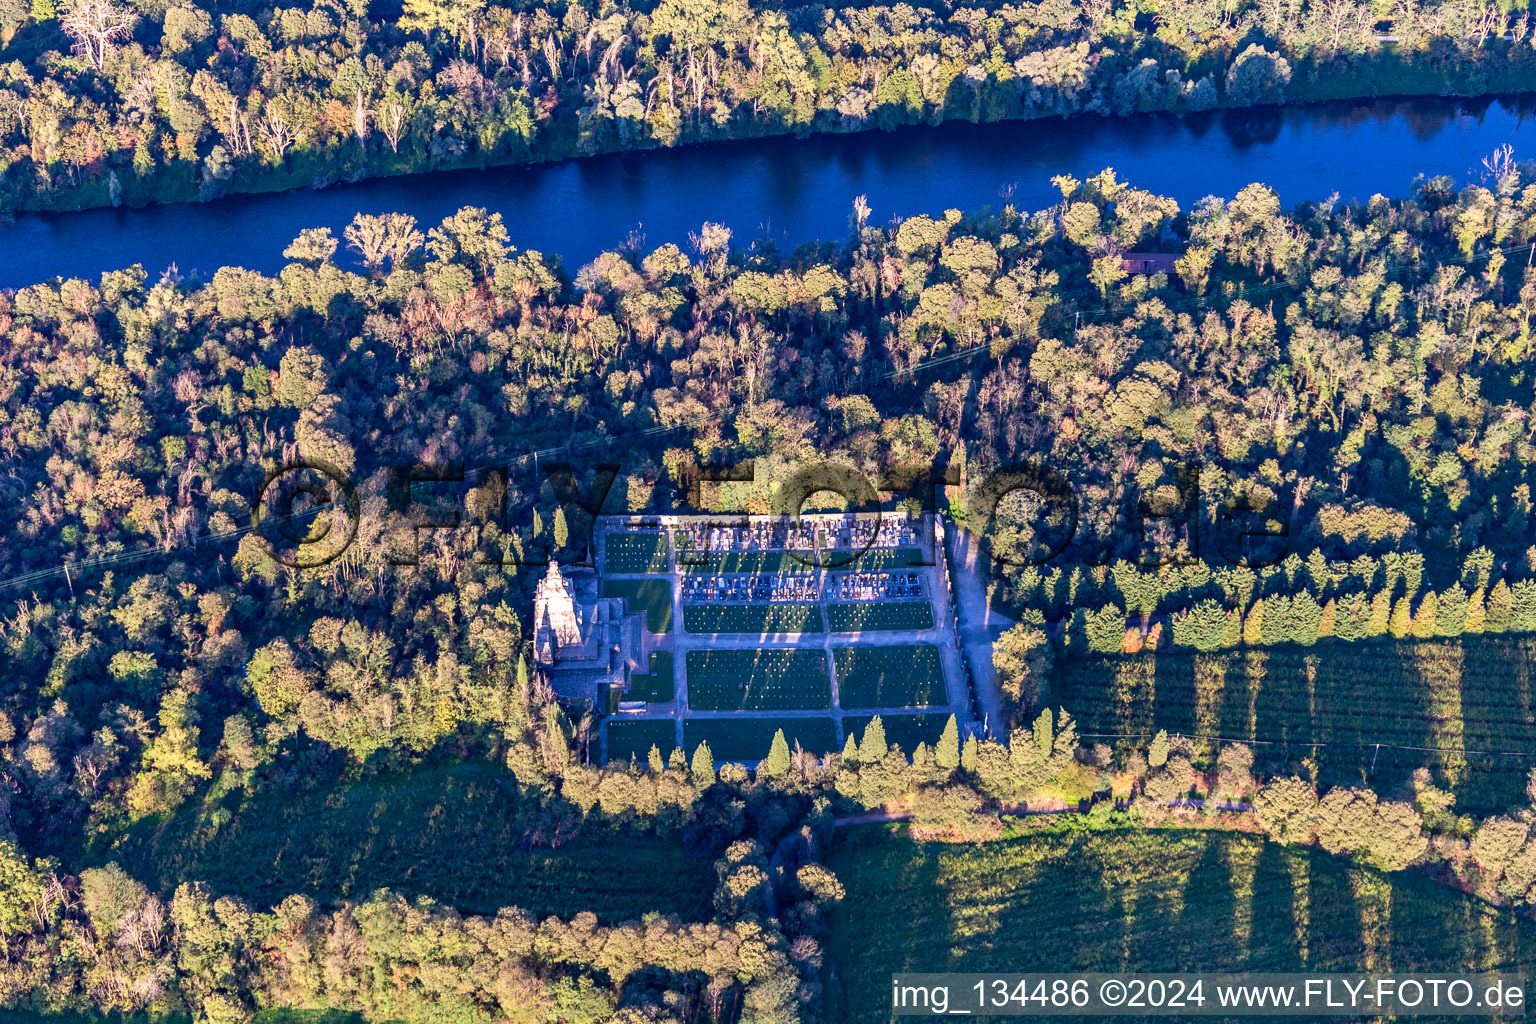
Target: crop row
{"type": "Point", "coordinates": [1140, 901]}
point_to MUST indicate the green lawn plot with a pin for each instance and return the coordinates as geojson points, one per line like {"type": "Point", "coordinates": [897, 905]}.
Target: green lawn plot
{"type": "Point", "coordinates": [459, 834]}
{"type": "Point", "coordinates": [635, 552]}
{"type": "Point", "coordinates": [758, 680]}
{"type": "Point", "coordinates": [874, 559]}
{"type": "Point", "coordinates": [895, 676]}
{"type": "Point", "coordinates": [746, 561]}
{"type": "Point", "coordinates": [752, 618]}
{"type": "Point", "coordinates": [654, 596]}
{"type": "Point", "coordinates": [748, 739]}
{"type": "Point", "coordinates": [1138, 900]}
{"type": "Point", "coordinates": [657, 686]}
{"type": "Point", "coordinates": [907, 731]}
{"type": "Point", "coordinates": [872, 616]}
{"type": "Point", "coordinates": [637, 737]}
{"type": "Point", "coordinates": [1447, 704]}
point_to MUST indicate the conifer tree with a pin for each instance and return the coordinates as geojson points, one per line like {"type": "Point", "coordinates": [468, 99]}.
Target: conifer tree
{"type": "Point", "coordinates": [1253, 625]}
{"type": "Point", "coordinates": [1327, 624]}
{"type": "Point", "coordinates": [703, 766]}
{"type": "Point", "coordinates": [1477, 613]}
{"type": "Point", "coordinates": [522, 695]}
{"type": "Point", "coordinates": [872, 747]}
{"type": "Point", "coordinates": [1451, 611]}
{"type": "Point", "coordinates": [1306, 617]}
{"type": "Point", "coordinates": [970, 754]}
{"type": "Point", "coordinates": [1477, 568]}
{"type": "Point", "coordinates": [1402, 618]}
{"type": "Point", "coordinates": [1317, 569]}
{"type": "Point", "coordinates": [1277, 619]}
{"type": "Point", "coordinates": [1381, 614]}
{"type": "Point", "coordinates": [1045, 732]}
{"type": "Point", "coordinates": [1076, 639]}
{"type": "Point", "coordinates": [562, 531]}
{"type": "Point", "coordinates": [1232, 634]}
{"type": "Point", "coordinates": [1352, 617]}
{"type": "Point", "coordinates": [1523, 615]}
{"type": "Point", "coordinates": [777, 762]}
{"type": "Point", "coordinates": [922, 759]}
{"type": "Point", "coordinates": [1424, 621]}
{"type": "Point", "coordinates": [851, 749]}
{"type": "Point", "coordinates": [653, 760]}
{"type": "Point", "coordinates": [1105, 629]}
{"type": "Point", "coordinates": [677, 761]}
{"type": "Point", "coordinates": [1501, 609]}
{"type": "Point", "coordinates": [947, 753]}
{"type": "Point", "coordinates": [1157, 753]}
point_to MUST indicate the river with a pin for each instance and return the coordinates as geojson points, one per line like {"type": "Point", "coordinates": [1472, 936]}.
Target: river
{"type": "Point", "coordinates": [796, 190]}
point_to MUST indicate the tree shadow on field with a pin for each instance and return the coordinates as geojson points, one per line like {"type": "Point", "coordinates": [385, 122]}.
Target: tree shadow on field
{"type": "Point", "coordinates": [1334, 702]}
{"type": "Point", "coordinates": [1073, 918]}
{"type": "Point", "coordinates": [895, 918]}
{"type": "Point", "coordinates": [1498, 710]}
{"type": "Point", "coordinates": [1280, 885]}
{"type": "Point", "coordinates": [1205, 933]}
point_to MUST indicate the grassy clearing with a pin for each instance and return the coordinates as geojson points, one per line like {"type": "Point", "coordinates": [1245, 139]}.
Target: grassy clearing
{"type": "Point", "coordinates": [637, 737]}
{"type": "Point", "coordinates": [654, 596]}
{"type": "Point", "coordinates": [657, 686]}
{"type": "Point", "coordinates": [771, 680]}
{"type": "Point", "coordinates": [907, 731]}
{"type": "Point", "coordinates": [748, 739]}
{"type": "Point", "coordinates": [898, 676]}
{"type": "Point", "coordinates": [752, 618]}
{"type": "Point", "coordinates": [1139, 901]}
{"type": "Point", "coordinates": [1459, 699]}
{"type": "Point", "coordinates": [635, 552]}
{"type": "Point", "coordinates": [869, 616]}
{"type": "Point", "coordinates": [453, 833]}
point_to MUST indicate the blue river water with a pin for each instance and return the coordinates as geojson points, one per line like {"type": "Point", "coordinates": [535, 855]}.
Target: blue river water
{"type": "Point", "coordinates": [791, 190]}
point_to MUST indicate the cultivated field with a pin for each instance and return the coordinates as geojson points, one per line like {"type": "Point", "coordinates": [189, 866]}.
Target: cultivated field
{"type": "Point", "coordinates": [454, 834]}
{"type": "Point", "coordinates": [635, 552]}
{"type": "Point", "coordinates": [1140, 901]}
{"type": "Point", "coordinates": [1468, 702]}
{"type": "Point", "coordinates": [654, 596]}
{"type": "Point", "coordinates": [868, 616]}
{"type": "Point", "coordinates": [657, 686]}
{"type": "Point", "coordinates": [748, 739]}
{"type": "Point", "coordinates": [752, 618]}
{"type": "Point", "coordinates": [897, 676]}
{"type": "Point", "coordinates": [637, 738]}
{"type": "Point", "coordinates": [764, 680]}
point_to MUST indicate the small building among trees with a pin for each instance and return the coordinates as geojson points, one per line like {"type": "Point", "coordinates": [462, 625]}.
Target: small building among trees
{"type": "Point", "coordinates": [1149, 262]}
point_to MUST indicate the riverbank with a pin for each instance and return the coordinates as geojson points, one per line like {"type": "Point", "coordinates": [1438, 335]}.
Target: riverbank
{"type": "Point", "coordinates": [787, 192]}
{"type": "Point", "coordinates": [1384, 76]}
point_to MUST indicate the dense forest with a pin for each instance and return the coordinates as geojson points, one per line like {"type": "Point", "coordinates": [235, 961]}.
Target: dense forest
{"type": "Point", "coordinates": [137, 101]}
{"type": "Point", "coordinates": [1353, 376]}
